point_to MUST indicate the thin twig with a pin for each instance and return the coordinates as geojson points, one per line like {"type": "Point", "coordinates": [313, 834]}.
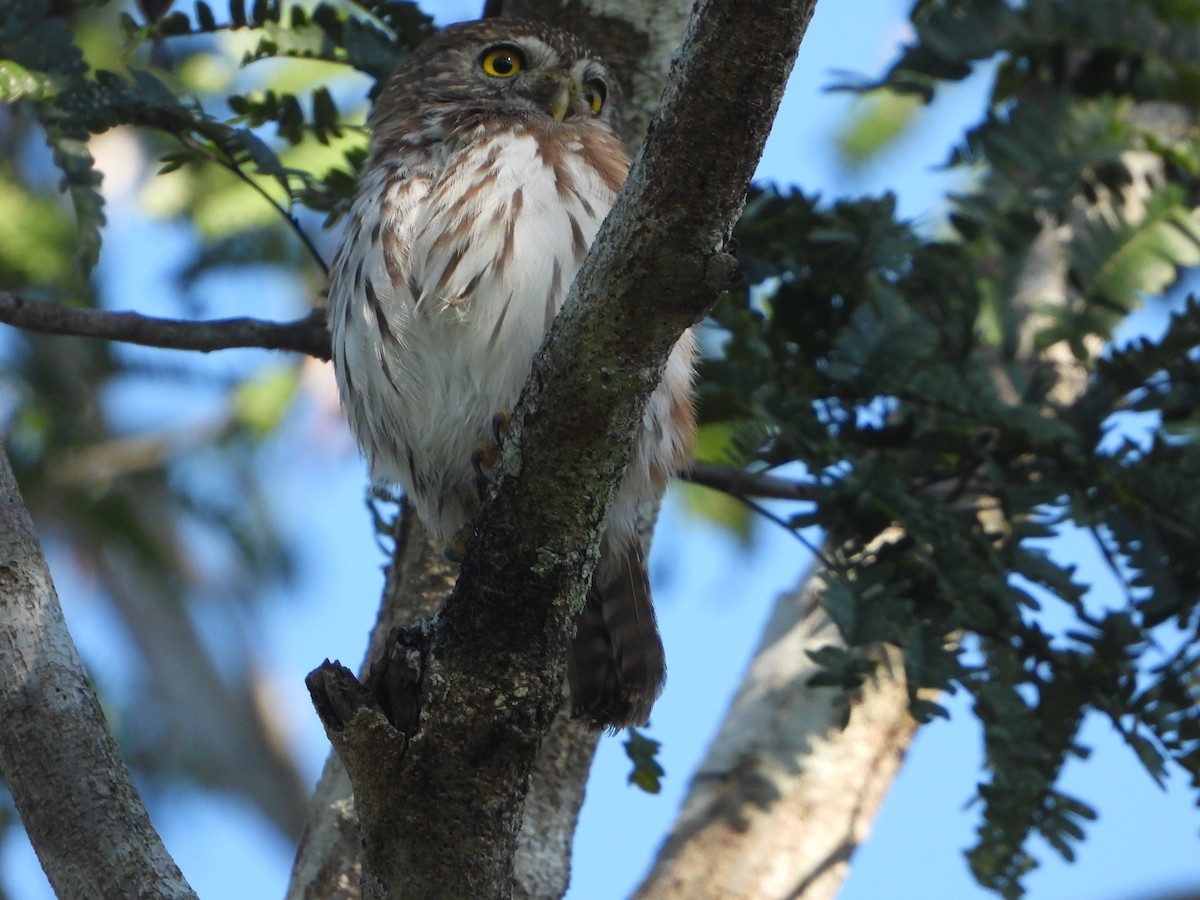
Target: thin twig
{"type": "Point", "coordinates": [742, 485]}
{"type": "Point", "coordinates": [739, 483]}
{"type": "Point", "coordinates": [307, 335]}
{"type": "Point", "coordinates": [787, 526]}
{"type": "Point", "coordinates": [232, 166]}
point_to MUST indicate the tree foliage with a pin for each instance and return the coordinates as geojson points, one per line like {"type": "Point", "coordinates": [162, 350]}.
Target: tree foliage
{"type": "Point", "coordinates": [949, 419]}
{"type": "Point", "coordinates": [943, 451]}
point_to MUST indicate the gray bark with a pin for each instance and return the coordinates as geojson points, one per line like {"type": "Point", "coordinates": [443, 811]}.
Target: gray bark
{"type": "Point", "coordinates": [328, 866]}
{"type": "Point", "coordinates": [543, 859]}
{"type": "Point", "coordinates": [79, 806]}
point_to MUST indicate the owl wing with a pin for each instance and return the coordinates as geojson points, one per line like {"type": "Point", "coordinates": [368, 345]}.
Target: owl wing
{"type": "Point", "coordinates": [370, 309]}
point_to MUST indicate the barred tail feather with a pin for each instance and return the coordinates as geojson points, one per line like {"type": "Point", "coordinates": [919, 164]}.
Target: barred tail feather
{"type": "Point", "coordinates": [616, 665]}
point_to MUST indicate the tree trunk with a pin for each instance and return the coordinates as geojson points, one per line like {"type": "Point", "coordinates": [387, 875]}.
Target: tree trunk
{"type": "Point", "coordinates": [788, 789]}
{"type": "Point", "coordinates": [80, 808]}
{"type": "Point", "coordinates": [327, 865]}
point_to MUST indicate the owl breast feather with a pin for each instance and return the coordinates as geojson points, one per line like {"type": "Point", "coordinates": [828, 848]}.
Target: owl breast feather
{"type": "Point", "coordinates": [441, 293]}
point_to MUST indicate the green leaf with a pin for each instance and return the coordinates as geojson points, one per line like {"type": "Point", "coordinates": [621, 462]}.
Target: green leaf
{"type": "Point", "coordinates": [18, 83]}
{"type": "Point", "coordinates": [325, 116]}
{"type": "Point", "coordinates": [1118, 261]}
{"type": "Point", "coordinates": [80, 180]}
{"type": "Point", "coordinates": [642, 751]}
{"type": "Point", "coordinates": [877, 122]}
{"type": "Point", "coordinates": [260, 153]}
{"type": "Point", "coordinates": [261, 403]}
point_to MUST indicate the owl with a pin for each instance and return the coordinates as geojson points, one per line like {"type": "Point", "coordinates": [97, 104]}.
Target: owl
{"type": "Point", "coordinates": [495, 154]}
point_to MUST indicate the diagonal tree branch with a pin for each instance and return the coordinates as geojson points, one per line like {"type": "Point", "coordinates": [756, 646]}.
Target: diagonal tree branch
{"type": "Point", "coordinates": [307, 335]}
{"type": "Point", "coordinates": [74, 793]}
{"type": "Point", "coordinates": [480, 686]}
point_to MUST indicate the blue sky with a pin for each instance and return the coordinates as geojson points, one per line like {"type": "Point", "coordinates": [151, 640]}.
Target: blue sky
{"type": "Point", "coordinates": [713, 595]}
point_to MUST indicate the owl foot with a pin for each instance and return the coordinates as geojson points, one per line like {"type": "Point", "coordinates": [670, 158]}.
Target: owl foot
{"type": "Point", "coordinates": [487, 453]}
{"type": "Point", "coordinates": [484, 458]}
{"type": "Point", "coordinates": [456, 550]}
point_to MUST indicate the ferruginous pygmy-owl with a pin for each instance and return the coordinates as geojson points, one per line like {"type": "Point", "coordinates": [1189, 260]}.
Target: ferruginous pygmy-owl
{"type": "Point", "coordinates": [494, 158]}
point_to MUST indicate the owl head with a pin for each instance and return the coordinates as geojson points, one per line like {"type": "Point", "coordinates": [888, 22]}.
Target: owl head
{"type": "Point", "coordinates": [496, 69]}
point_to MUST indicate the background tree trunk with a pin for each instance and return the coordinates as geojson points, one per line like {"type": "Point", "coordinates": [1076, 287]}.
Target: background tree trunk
{"type": "Point", "coordinates": [71, 787]}
{"type": "Point", "coordinates": [795, 775]}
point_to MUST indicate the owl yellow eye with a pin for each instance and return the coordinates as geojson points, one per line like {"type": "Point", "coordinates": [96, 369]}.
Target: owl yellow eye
{"type": "Point", "coordinates": [594, 94]}
{"type": "Point", "coordinates": [501, 62]}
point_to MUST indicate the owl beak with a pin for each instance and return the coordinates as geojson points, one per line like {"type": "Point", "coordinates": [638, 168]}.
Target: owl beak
{"type": "Point", "coordinates": [560, 94]}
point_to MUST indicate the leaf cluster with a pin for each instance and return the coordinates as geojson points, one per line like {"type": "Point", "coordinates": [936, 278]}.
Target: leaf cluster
{"type": "Point", "coordinates": [44, 74]}
{"type": "Point", "coordinates": [954, 410]}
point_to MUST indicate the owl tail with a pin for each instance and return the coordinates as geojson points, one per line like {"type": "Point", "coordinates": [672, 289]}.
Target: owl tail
{"type": "Point", "coordinates": [616, 667]}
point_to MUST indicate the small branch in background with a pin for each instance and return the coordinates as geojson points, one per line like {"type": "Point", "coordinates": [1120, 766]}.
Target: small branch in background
{"type": "Point", "coordinates": [741, 484]}
{"type": "Point", "coordinates": [307, 335]}
{"type": "Point", "coordinates": [100, 463]}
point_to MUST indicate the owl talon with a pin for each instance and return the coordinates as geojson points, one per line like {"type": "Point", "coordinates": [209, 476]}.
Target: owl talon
{"type": "Point", "coordinates": [500, 423]}
{"type": "Point", "coordinates": [479, 487]}
{"type": "Point", "coordinates": [487, 453]}
{"type": "Point", "coordinates": [456, 550]}
{"type": "Point", "coordinates": [484, 458]}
